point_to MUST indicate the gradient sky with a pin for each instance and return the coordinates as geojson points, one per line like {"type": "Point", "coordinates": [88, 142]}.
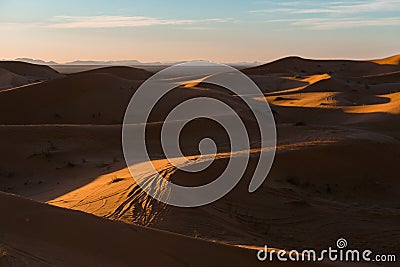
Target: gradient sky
{"type": "Point", "coordinates": [224, 31]}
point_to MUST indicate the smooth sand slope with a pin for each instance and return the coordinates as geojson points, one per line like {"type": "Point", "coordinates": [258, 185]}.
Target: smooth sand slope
{"type": "Point", "coordinates": [9, 79]}
{"type": "Point", "coordinates": [86, 98]}
{"type": "Point", "coordinates": [35, 234]}
{"type": "Point", "coordinates": [128, 73]}
{"type": "Point", "coordinates": [91, 97]}
{"type": "Point", "coordinates": [27, 69]}
{"type": "Point", "coordinates": [14, 74]}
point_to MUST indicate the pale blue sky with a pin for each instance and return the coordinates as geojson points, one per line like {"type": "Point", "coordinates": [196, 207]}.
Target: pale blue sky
{"type": "Point", "coordinates": [224, 31]}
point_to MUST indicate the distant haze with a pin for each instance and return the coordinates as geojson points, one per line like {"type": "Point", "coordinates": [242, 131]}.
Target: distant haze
{"type": "Point", "coordinates": [222, 31]}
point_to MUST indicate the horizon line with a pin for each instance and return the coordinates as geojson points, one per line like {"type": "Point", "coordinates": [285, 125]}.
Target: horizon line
{"type": "Point", "coordinates": [120, 61]}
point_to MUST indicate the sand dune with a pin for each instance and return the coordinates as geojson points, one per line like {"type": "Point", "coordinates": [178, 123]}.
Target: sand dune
{"type": "Point", "coordinates": [301, 66]}
{"type": "Point", "coordinates": [9, 79]}
{"type": "Point", "coordinates": [392, 106]}
{"type": "Point", "coordinates": [335, 173]}
{"type": "Point", "coordinates": [27, 69]}
{"type": "Point", "coordinates": [331, 89]}
{"type": "Point", "coordinates": [35, 234]}
{"type": "Point", "coordinates": [80, 99]}
{"type": "Point", "coordinates": [128, 73]}
{"type": "Point", "coordinates": [15, 74]}
{"type": "Point", "coordinates": [393, 60]}
{"type": "Point", "coordinates": [70, 238]}
{"type": "Point", "coordinates": [88, 98]}
{"type": "Point", "coordinates": [322, 183]}
{"type": "Point", "coordinates": [391, 77]}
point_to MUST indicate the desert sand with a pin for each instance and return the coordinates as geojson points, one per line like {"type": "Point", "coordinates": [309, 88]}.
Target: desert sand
{"type": "Point", "coordinates": [15, 74]}
{"type": "Point", "coordinates": [335, 173]}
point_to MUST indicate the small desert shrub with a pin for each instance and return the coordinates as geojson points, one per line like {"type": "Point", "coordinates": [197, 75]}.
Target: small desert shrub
{"type": "Point", "coordinates": [3, 252]}
{"type": "Point", "coordinates": [300, 123]}
{"type": "Point", "coordinates": [328, 188]}
{"type": "Point", "coordinates": [46, 152]}
{"type": "Point", "coordinates": [195, 234]}
{"type": "Point", "coordinates": [293, 180]}
{"type": "Point", "coordinates": [70, 164]}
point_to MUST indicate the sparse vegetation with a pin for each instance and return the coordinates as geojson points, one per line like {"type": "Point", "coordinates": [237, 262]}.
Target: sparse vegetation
{"type": "Point", "coordinates": [8, 189]}
{"type": "Point", "coordinates": [3, 252]}
{"type": "Point", "coordinates": [195, 233]}
{"type": "Point", "coordinates": [70, 164]}
{"type": "Point", "coordinates": [293, 180]}
{"type": "Point", "coordinates": [328, 188]}
{"type": "Point", "coordinates": [46, 152]}
{"type": "Point", "coordinates": [300, 123]}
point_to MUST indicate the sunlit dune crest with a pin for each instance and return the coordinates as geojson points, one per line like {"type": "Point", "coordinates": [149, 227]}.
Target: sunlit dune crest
{"type": "Point", "coordinates": [393, 60]}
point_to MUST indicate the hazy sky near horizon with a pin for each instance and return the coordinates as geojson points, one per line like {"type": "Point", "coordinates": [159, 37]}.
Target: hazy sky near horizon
{"type": "Point", "coordinates": [223, 31]}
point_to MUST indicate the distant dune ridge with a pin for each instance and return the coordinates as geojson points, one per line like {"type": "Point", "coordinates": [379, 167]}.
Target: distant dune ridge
{"type": "Point", "coordinates": [13, 74]}
{"type": "Point", "coordinates": [335, 173]}
{"type": "Point", "coordinates": [122, 72]}
{"type": "Point", "coordinates": [298, 65]}
{"type": "Point", "coordinates": [9, 79]}
{"type": "Point", "coordinates": [95, 96]}
{"type": "Point", "coordinates": [27, 69]}
{"type": "Point", "coordinates": [393, 60]}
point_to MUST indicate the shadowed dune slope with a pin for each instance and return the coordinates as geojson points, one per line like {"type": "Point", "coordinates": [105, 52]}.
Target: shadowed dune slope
{"type": "Point", "coordinates": [35, 234]}
{"type": "Point", "coordinates": [9, 79]}
{"type": "Point", "coordinates": [298, 65]}
{"type": "Point", "coordinates": [15, 74]}
{"type": "Point", "coordinates": [87, 98]}
{"type": "Point", "coordinates": [27, 69]}
{"type": "Point", "coordinates": [392, 77]}
{"type": "Point", "coordinates": [123, 72]}
{"type": "Point", "coordinates": [84, 98]}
